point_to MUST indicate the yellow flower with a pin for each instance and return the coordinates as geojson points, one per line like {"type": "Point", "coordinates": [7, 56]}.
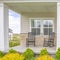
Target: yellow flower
{"type": "Point", "coordinates": [13, 56]}
{"type": "Point", "coordinates": [45, 57]}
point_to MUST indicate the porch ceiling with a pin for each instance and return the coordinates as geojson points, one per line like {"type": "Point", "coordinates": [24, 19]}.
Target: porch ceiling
{"type": "Point", "coordinates": [33, 7]}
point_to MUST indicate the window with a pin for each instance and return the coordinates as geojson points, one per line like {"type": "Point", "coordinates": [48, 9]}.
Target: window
{"type": "Point", "coordinates": [35, 27]}
{"type": "Point", "coordinates": [39, 26]}
{"type": "Point", "coordinates": [48, 27]}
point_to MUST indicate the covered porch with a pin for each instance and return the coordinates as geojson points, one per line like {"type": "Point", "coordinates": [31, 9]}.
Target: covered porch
{"type": "Point", "coordinates": [33, 18]}
{"type": "Point", "coordinates": [31, 10]}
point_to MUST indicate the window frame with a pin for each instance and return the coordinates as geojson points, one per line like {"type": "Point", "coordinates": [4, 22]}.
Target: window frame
{"type": "Point", "coordinates": [36, 26]}
{"type": "Point", "coordinates": [42, 27]}
{"type": "Point", "coordinates": [48, 27]}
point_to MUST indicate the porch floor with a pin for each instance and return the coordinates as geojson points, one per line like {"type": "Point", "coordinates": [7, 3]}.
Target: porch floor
{"type": "Point", "coordinates": [36, 50]}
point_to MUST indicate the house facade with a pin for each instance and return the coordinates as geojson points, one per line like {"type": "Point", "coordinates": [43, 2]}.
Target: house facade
{"type": "Point", "coordinates": [40, 17]}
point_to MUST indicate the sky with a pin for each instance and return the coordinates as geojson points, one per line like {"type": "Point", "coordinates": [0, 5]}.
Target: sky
{"type": "Point", "coordinates": [14, 21]}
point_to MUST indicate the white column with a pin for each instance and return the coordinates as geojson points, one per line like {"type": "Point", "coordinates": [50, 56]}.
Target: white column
{"type": "Point", "coordinates": [3, 28]}
{"type": "Point", "coordinates": [58, 25]}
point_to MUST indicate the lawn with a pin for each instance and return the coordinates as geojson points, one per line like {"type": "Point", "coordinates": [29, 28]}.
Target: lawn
{"type": "Point", "coordinates": [15, 41]}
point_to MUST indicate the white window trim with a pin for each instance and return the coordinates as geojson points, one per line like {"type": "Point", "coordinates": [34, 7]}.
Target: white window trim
{"type": "Point", "coordinates": [42, 19]}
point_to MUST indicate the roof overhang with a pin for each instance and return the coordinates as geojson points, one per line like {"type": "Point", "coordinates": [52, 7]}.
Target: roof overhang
{"type": "Point", "coordinates": [33, 7]}
{"type": "Point", "coordinates": [9, 1]}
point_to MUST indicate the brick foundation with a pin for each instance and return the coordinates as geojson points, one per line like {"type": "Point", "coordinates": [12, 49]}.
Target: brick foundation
{"type": "Point", "coordinates": [39, 39]}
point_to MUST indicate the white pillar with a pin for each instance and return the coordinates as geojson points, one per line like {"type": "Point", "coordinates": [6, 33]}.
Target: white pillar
{"type": "Point", "coordinates": [3, 27]}
{"type": "Point", "coordinates": [58, 25]}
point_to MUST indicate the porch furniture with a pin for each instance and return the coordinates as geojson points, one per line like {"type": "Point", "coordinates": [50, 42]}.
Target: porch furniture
{"type": "Point", "coordinates": [30, 40]}
{"type": "Point", "coordinates": [50, 41]}
{"type": "Point", "coordinates": [45, 44]}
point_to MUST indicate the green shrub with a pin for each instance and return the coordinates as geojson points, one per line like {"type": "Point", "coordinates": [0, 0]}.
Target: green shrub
{"type": "Point", "coordinates": [28, 54]}
{"type": "Point", "coordinates": [12, 51]}
{"type": "Point", "coordinates": [58, 49]}
{"type": "Point", "coordinates": [44, 52]}
{"type": "Point", "coordinates": [58, 54]}
{"type": "Point", "coordinates": [1, 54]}
{"type": "Point", "coordinates": [14, 43]}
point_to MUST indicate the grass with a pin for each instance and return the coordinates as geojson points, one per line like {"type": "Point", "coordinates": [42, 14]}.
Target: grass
{"type": "Point", "coordinates": [15, 41]}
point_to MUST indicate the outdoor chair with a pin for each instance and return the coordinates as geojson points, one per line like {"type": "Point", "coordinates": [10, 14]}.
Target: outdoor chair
{"type": "Point", "coordinates": [31, 39]}
{"type": "Point", "coordinates": [50, 40]}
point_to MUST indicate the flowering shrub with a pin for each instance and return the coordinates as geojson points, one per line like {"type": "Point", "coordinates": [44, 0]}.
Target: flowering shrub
{"type": "Point", "coordinates": [58, 54]}
{"type": "Point", "coordinates": [45, 57]}
{"type": "Point", "coordinates": [29, 54]}
{"type": "Point", "coordinates": [44, 52]}
{"type": "Point", "coordinates": [12, 51]}
{"type": "Point", "coordinates": [12, 56]}
{"type": "Point", "coordinates": [1, 54]}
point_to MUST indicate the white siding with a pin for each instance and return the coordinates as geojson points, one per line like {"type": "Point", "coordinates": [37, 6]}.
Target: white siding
{"type": "Point", "coordinates": [25, 20]}
{"type": "Point", "coordinates": [25, 24]}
